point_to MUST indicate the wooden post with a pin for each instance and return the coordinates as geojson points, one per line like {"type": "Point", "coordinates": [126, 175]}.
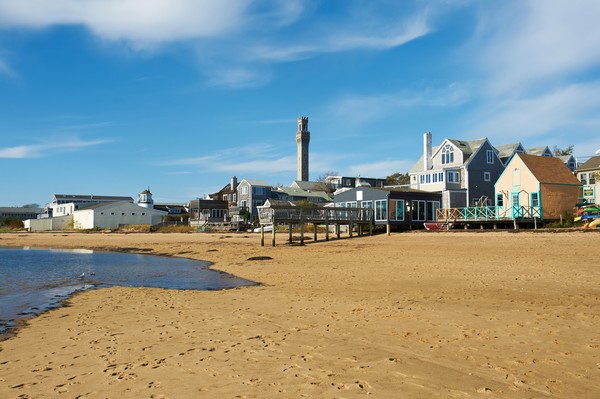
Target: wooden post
{"type": "Point", "coordinates": [337, 230]}
{"type": "Point", "coordinates": [535, 223]}
{"type": "Point", "coordinates": [273, 234]}
{"type": "Point", "coordinates": [371, 228]}
{"type": "Point", "coordinates": [387, 229]}
{"type": "Point", "coordinates": [314, 232]}
{"type": "Point", "coordinates": [481, 226]}
{"type": "Point", "coordinates": [301, 232]}
{"type": "Point", "coordinates": [360, 227]}
{"type": "Point", "coordinates": [326, 227]}
{"type": "Point", "coordinates": [290, 237]}
{"type": "Point", "coordinates": [262, 235]}
{"type": "Point", "coordinates": [515, 224]}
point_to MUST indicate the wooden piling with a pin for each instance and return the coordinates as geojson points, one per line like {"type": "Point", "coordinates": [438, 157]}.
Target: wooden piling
{"type": "Point", "coordinates": [262, 235]}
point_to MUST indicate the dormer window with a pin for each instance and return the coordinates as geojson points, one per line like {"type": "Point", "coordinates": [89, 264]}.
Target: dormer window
{"type": "Point", "coordinates": [447, 154]}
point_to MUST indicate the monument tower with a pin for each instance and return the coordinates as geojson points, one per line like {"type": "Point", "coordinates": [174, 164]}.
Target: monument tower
{"type": "Point", "coordinates": [302, 139]}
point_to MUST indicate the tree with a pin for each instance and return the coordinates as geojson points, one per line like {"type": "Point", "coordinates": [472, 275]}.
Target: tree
{"type": "Point", "coordinates": [563, 151]}
{"type": "Point", "coordinates": [396, 179]}
{"type": "Point", "coordinates": [323, 184]}
{"type": "Point", "coordinates": [323, 176]}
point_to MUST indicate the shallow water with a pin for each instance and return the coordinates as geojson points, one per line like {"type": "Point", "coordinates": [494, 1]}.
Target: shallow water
{"type": "Point", "coordinates": [34, 280]}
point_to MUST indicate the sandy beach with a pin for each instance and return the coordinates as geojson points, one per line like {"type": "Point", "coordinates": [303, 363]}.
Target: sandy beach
{"type": "Point", "coordinates": [412, 315]}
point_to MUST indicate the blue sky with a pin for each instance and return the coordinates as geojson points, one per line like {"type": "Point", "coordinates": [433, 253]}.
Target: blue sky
{"type": "Point", "coordinates": [111, 97]}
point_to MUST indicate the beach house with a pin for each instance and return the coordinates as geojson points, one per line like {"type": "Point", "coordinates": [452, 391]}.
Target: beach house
{"type": "Point", "coordinates": [399, 208]}
{"type": "Point", "coordinates": [588, 174]}
{"type": "Point", "coordinates": [464, 172]}
{"type": "Point", "coordinates": [536, 186]}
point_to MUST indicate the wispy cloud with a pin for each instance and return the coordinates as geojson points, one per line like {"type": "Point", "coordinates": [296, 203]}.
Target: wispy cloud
{"type": "Point", "coordinates": [379, 168]}
{"type": "Point", "coordinates": [249, 159]}
{"type": "Point", "coordinates": [521, 118]}
{"type": "Point", "coordinates": [361, 109]}
{"type": "Point", "coordinates": [233, 42]}
{"type": "Point", "coordinates": [528, 43]}
{"type": "Point", "coordinates": [47, 149]}
{"type": "Point", "coordinates": [6, 70]}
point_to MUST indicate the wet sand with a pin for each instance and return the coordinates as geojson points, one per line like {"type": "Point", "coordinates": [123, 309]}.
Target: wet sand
{"type": "Point", "coordinates": [414, 315]}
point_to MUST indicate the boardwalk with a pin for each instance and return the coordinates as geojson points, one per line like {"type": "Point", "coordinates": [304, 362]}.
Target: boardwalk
{"type": "Point", "coordinates": [275, 213]}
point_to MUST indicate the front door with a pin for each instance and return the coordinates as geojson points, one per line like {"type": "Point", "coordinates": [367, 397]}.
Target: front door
{"type": "Point", "coordinates": [515, 205]}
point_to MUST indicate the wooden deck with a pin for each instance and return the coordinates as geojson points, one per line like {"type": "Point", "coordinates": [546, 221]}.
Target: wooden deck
{"type": "Point", "coordinates": [285, 213]}
{"type": "Point", "coordinates": [493, 215]}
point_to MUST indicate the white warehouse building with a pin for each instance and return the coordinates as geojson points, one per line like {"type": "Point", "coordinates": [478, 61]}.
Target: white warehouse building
{"type": "Point", "coordinates": [115, 214]}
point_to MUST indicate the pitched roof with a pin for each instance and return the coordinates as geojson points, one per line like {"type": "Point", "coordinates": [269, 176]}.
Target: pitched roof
{"type": "Point", "coordinates": [506, 150]}
{"type": "Point", "coordinates": [591, 164]}
{"type": "Point", "coordinates": [537, 150]}
{"type": "Point", "coordinates": [549, 169]}
{"type": "Point", "coordinates": [468, 147]}
{"type": "Point", "coordinates": [257, 182]}
{"type": "Point", "coordinates": [308, 185]}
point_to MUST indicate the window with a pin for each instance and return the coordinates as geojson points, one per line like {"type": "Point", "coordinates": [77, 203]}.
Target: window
{"type": "Point", "coordinates": [351, 204]}
{"type": "Point", "coordinates": [515, 199]}
{"type": "Point", "coordinates": [428, 178]}
{"type": "Point", "coordinates": [487, 176]}
{"type": "Point", "coordinates": [422, 179]}
{"type": "Point", "coordinates": [122, 213]}
{"type": "Point", "coordinates": [499, 200]}
{"type": "Point", "coordinates": [102, 213]}
{"type": "Point", "coordinates": [366, 204]}
{"type": "Point", "coordinates": [432, 207]}
{"type": "Point", "coordinates": [397, 210]}
{"type": "Point", "coordinates": [418, 211]}
{"type": "Point", "coordinates": [381, 209]}
{"type": "Point", "coordinates": [535, 200]}
{"type": "Point", "coordinates": [434, 177]}
{"type": "Point", "coordinates": [244, 190]}
{"type": "Point", "coordinates": [112, 214]}
{"type": "Point", "coordinates": [260, 190]}
{"type": "Point", "coordinates": [592, 178]}
{"type": "Point", "coordinates": [583, 178]}
{"type": "Point", "coordinates": [132, 213]}
{"type": "Point", "coordinates": [441, 176]}
{"type": "Point", "coordinates": [453, 177]}
{"type": "Point", "coordinates": [243, 203]}
{"type": "Point", "coordinates": [490, 156]}
{"type": "Point", "coordinates": [143, 213]}
{"type": "Point", "coordinates": [447, 154]}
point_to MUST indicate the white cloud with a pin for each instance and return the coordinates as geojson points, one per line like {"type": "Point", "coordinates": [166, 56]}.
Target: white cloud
{"type": "Point", "coordinates": [140, 22]}
{"type": "Point", "coordinates": [47, 149]}
{"type": "Point", "coordinates": [539, 41]}
{"type": "Point", "coordinates": [233, 41]}
{"type": "Point", "coordinates": [515, 119]}
{"type": "Point", "coordinates": [362, 109]}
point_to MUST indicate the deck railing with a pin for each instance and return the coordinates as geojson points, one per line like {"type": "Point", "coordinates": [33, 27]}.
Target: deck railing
{"type": "Point", "coordinates": [485, 213]}
{"type": "Point", "coordinates": [307, 214]}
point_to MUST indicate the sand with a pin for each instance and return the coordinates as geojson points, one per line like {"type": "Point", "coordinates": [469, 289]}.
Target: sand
{"type": "Point", "coordinates": [412, 315]}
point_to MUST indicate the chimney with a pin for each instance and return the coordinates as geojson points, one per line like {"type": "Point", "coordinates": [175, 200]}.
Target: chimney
{"type": "Point", "coordinates": [234, 183]}
{"type": "Point", "coordinates": [427, 151]}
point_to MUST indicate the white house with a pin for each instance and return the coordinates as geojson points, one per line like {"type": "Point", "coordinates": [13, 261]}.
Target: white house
{"type": "Point", "coordinates": [115, 214]}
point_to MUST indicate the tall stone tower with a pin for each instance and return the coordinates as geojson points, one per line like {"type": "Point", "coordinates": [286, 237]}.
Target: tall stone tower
{"type": "Point", "coordinates": [302, 140]}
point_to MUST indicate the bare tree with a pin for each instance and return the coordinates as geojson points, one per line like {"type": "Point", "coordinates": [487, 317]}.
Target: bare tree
{"type": "Point", "coordinates": [563, 151]}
